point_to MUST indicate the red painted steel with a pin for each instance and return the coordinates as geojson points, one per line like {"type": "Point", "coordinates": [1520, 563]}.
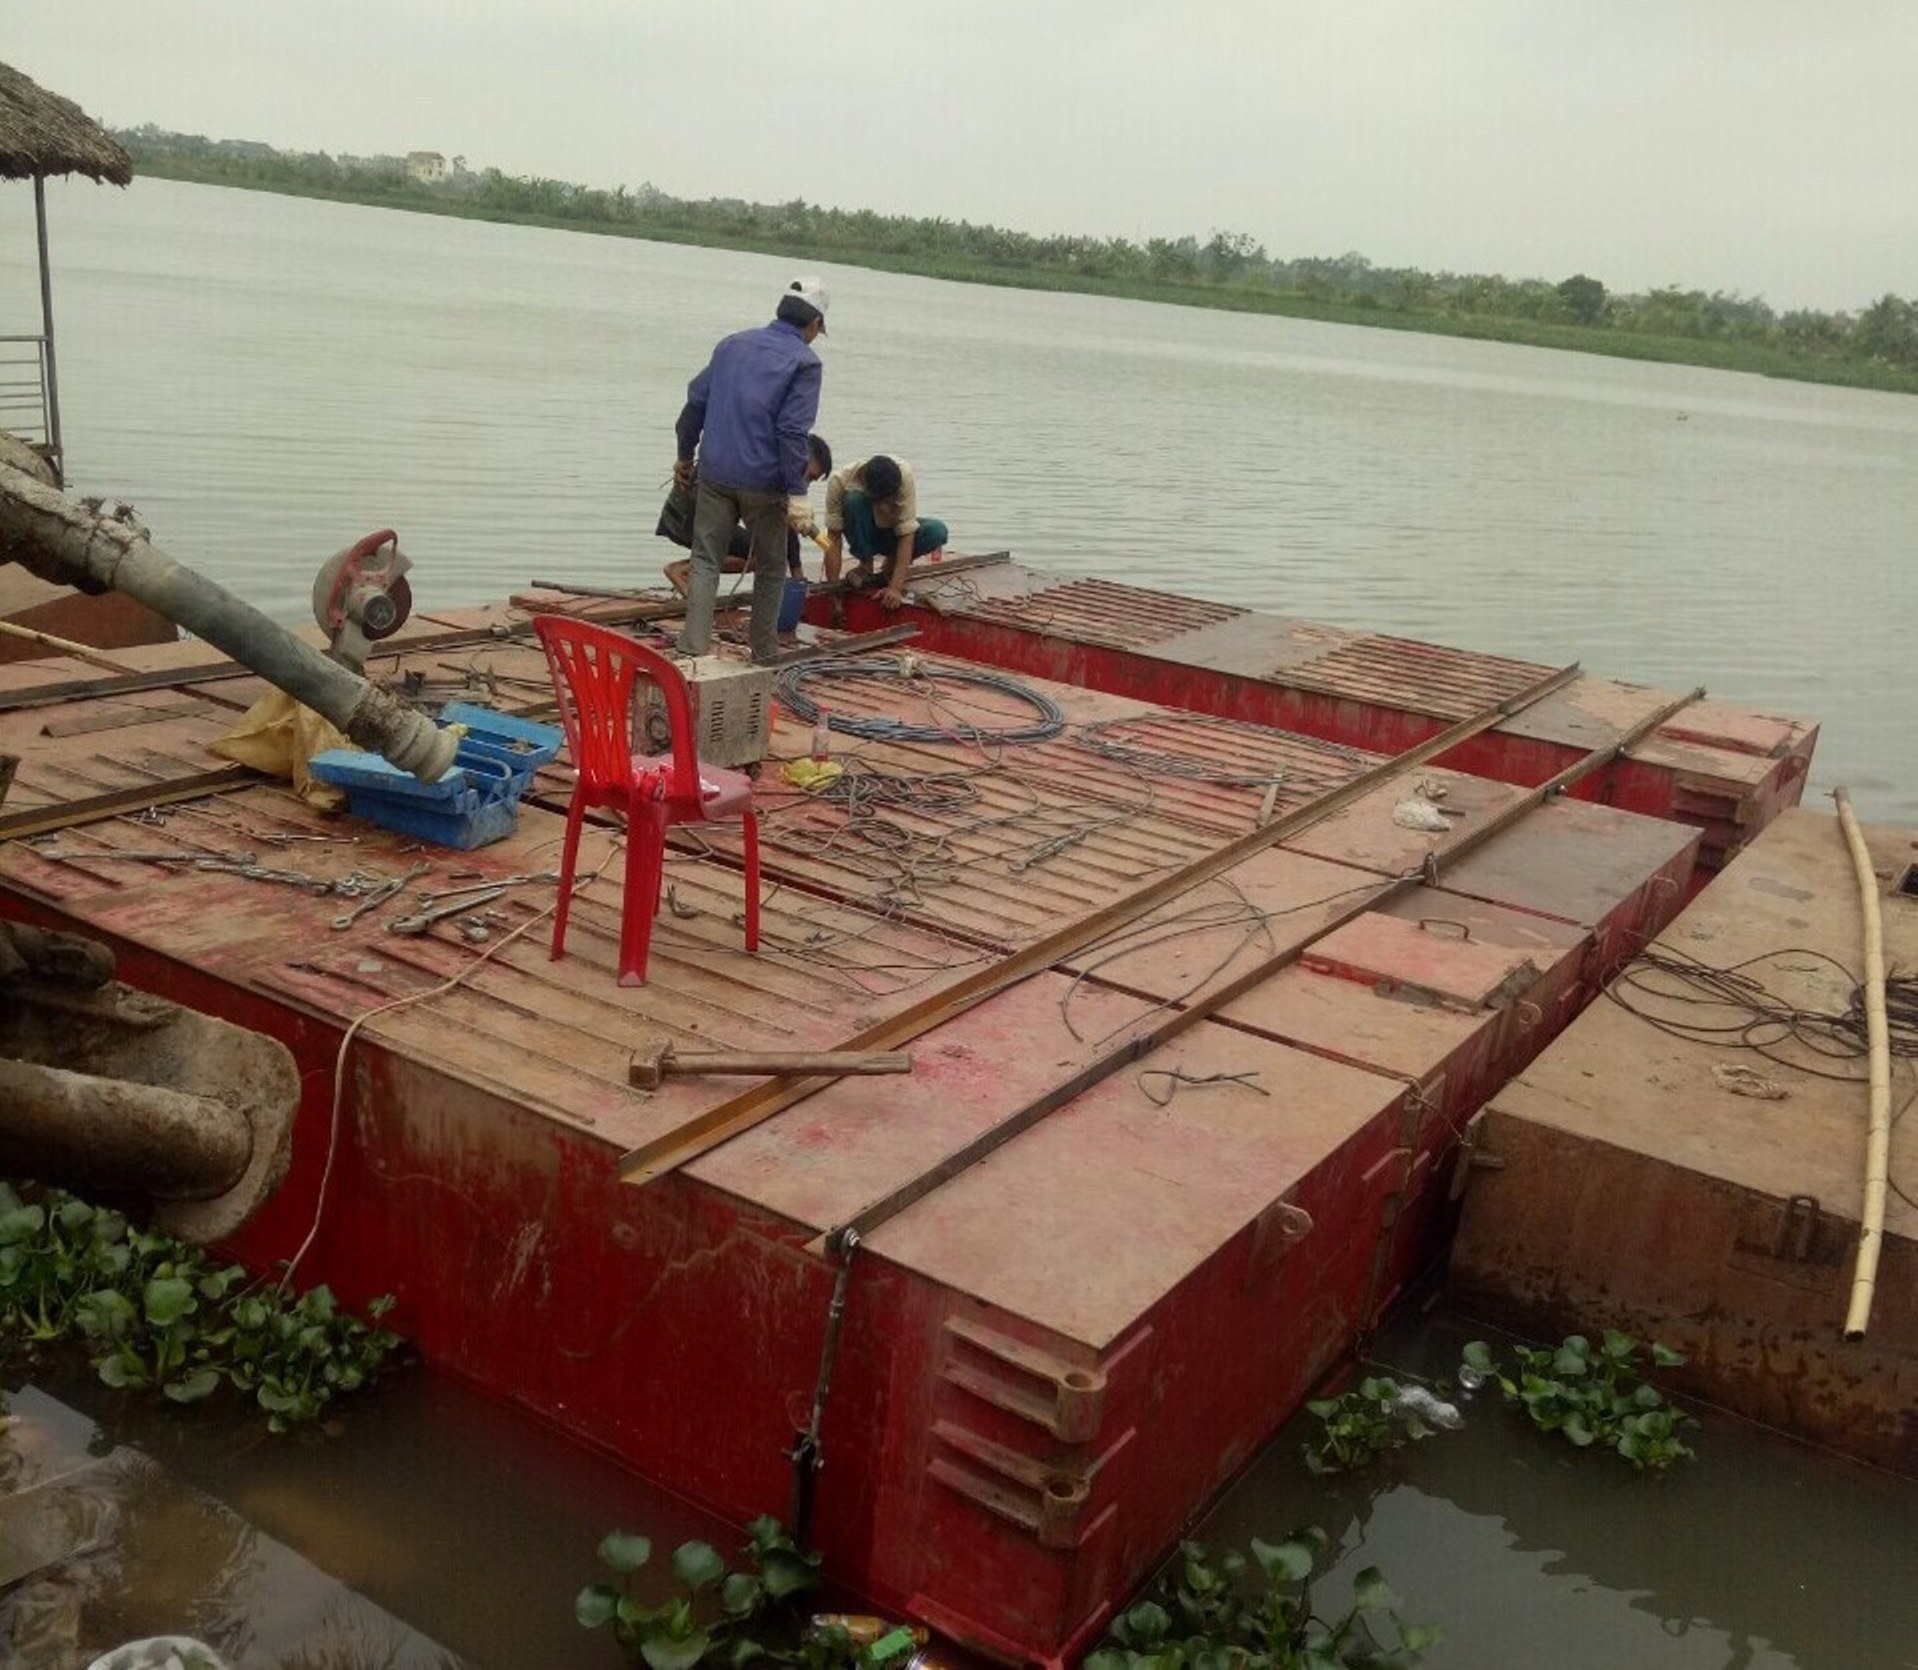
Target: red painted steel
{"type": "Point", "coordinates": [1721, 769]}
{"type": "Point", "coordinates": [1029, 1402]}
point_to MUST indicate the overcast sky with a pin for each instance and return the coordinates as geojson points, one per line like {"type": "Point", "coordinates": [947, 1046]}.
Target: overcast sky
{"type": "Point", "coordinates": [1752, 145]}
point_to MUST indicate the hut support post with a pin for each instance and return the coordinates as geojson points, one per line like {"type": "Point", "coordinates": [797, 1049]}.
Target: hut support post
{"type": "Point", "coordinates": [58, 458]}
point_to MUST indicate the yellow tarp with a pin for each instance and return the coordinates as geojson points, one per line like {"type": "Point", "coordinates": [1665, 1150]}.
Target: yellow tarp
{"type": "Point", "coordinates": [279, 736]}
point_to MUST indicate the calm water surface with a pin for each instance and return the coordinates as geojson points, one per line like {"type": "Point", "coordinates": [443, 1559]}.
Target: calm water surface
{"type": "Point", "coordinates": [268, 378]}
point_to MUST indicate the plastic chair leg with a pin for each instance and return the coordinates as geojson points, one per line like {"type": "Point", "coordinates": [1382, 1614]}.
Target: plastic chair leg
{"type": "Point", "coordinates": [645, 867]}
{"type": "Point", "coordinates": [752, 880]}
{"type": "Point", "coordinates": [569, 858]}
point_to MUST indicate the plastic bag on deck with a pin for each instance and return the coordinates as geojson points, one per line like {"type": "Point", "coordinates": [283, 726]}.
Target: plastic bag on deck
{"type": "Point", "coordinates": [278, 735]}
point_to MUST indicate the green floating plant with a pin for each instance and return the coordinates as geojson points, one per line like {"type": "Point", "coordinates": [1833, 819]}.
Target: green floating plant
{"type": "Point", "coordinates": [715, 1615]}
{"type": "Point", "coordinates": [1235, 1614]}
{"type": "Point", "coordinates": [1376, 1415]}
{"type": "Point", "coordinates": [1595, 1397]}
{"type": "Point", "coordinates": [155, 1314]}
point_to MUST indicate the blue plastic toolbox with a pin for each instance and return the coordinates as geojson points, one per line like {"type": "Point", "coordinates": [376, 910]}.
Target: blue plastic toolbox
{"type": "Point", "coordinates": [474, 803]}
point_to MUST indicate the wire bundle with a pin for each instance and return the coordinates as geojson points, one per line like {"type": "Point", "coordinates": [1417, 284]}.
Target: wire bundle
{"type": "Point", "coordinates": [1734, 1008]}
{"type": "Point", "coordinates": [915, 679]}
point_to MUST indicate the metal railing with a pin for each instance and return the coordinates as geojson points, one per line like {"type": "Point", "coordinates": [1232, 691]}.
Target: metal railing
{"type": "Point", "coordinates": [26, 406]}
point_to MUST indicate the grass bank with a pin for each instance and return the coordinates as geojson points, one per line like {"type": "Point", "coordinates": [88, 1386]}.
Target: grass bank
{"type": "Point", "coordinates": [1759, 359]}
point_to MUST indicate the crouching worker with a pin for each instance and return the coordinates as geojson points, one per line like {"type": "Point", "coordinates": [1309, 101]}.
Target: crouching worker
{"type": "Point", "coordinates": [872, 510]}
{"type": "Point", "coordinates": [676, 524]}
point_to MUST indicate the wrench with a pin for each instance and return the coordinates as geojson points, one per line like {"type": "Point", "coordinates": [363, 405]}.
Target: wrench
{"type": "Point", "coordinates": [422, 920]}
{"type": "Point", "coordinates": [378, 895]}
{"type": "Point", "coordinates": [482, 886]}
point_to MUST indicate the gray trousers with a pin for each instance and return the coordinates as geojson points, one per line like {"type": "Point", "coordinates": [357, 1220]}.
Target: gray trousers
{"type": "Point", "coordinates": [717, 512]}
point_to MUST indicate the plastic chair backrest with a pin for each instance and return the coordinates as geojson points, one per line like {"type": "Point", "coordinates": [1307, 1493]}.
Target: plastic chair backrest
{"type": "Point", "coordinates": [594, 669]}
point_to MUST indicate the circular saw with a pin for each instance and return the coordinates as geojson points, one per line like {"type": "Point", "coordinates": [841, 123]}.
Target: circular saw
{"type": "Point", "coordinates": [361, 596]}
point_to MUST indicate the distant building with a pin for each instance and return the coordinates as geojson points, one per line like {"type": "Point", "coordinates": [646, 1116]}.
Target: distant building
{"type": "Point", "coordinates": [428, 167]}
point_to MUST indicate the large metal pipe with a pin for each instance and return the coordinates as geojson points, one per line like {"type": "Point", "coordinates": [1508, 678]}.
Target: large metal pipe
{"type": "Point", "coordinates": [118, 1137]}
{"type": "Point", "coordinates": [69, 543]}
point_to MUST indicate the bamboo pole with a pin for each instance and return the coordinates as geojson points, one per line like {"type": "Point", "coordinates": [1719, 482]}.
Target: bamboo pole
{"type": "Point", "coordinates": [1871, 1230]}
{"type": "Point", "coordinates": [66, 646]}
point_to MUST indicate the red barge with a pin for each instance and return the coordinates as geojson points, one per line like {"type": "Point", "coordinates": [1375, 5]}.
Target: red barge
{"type": "Point", "coordinates": [1194, 1051]}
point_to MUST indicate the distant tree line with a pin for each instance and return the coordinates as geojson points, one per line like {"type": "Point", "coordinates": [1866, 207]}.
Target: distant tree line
{"type": "Point", "coordinates": [1884, 334]}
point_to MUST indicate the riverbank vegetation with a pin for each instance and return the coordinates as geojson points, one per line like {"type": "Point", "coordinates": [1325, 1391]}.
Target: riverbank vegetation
{"type": "Point", "coordinates": [1875, 347]}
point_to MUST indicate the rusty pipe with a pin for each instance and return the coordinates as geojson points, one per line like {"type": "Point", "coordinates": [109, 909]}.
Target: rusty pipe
{"type": "Point", "coordinates": [64, 541]}
{"type": "Point", "coordinates": [117, 1136]}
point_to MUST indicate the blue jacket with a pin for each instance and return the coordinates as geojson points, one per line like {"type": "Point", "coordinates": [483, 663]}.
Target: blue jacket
{"type": "Point", "coordinates": [748, 413]}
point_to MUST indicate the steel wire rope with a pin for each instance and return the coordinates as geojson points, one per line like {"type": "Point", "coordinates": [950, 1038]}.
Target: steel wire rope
{"type": "Point", "coordinates": [792, 682]}
{"type": "Point", "coordinates": [1238, 912]}
{"type": "Point", "coordinates": [1755, 1016]}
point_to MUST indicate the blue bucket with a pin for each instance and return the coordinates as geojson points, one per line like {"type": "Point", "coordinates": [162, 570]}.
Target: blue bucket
{"type": "Point", "coordinates": [792, 606]}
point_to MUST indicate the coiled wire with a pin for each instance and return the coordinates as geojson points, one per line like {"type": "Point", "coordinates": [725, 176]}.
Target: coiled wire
{"type": "Point", "coordinates": [792, 692]}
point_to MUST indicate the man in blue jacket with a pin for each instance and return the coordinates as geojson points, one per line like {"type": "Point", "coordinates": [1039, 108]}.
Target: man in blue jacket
{"type": "Point", "coordinates": [747, 416]}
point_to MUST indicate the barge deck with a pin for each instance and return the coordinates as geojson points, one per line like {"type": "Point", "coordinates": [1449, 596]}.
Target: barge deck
{"type": "Point", "coordinates": [1193, 1053]}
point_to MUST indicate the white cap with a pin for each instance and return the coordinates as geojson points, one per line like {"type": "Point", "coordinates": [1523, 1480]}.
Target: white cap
{"type": "Point", "coordinates": [811, 291]}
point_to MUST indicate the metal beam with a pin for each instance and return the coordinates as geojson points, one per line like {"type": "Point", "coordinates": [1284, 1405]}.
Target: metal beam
{"type": "Point", "coordinates": [185, 678]}
{"type": "Point", "coordinates": [716, 1125]}
{"type": "Point", "coordinates": [59, 458]}
{"type": "Point", "coordinates": [69, 814]}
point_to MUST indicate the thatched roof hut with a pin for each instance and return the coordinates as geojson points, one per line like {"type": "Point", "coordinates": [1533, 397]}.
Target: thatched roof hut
{"type": "Point", "coordinates": [42, 134]}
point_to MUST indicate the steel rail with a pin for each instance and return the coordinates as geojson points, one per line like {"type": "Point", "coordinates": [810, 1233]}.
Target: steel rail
{"type": "Point", "coordinates": [719, 1124]}
{"type": "Point", "coordinates": [1163, 1031]}
{"type": "Point", "coordinates": [26, 821]}
{"type": "Point", "coordinates": [213, 672]}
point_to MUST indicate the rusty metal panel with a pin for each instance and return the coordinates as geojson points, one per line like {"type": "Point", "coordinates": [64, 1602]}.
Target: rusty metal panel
{"type": "Point", "coordinates": [1104, 612]}
{"type": "Point", "coordinates": [1272, 902]}
{"type": "Point", "coordinates": [822, 1162]}
{"type": "Point", "coordinates": [1414, 958]}
{"type": "Point", "coordinates": [1580, 863]}
{"type": "Point", "coordinates": [1418, 678]}
{"type": "Point", "coordinates": [1364, 833]}
{"type": "Point", "coordinates": [1182, 1180]}
{"type": "Point", "coordinates": [1390, 1034]}
{"type": "Point", "coordinates": [1257, 645]}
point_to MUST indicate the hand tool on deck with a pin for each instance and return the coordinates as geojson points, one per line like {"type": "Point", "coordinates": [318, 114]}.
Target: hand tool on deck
{"type": "Point", "coordinates": [111, 856]}
{"type": "Point", "coordinates": [379, 894]}
{"type": "Point", "coordinates": [319, 885]}
{"type": "Point", "coordinates": [499, 882]}
{"type": "Point", "coordinates": [652, 1062]}
{"type": "Point", "coordinates": [420, 921]}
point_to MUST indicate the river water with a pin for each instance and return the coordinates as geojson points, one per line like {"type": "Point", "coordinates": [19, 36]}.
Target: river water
{"type": "Point", "coordinates": [268, 378]}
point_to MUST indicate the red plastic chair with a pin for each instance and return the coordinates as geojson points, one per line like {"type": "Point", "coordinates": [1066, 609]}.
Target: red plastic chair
{"type": "Point", "coordinates": [594, 671]}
